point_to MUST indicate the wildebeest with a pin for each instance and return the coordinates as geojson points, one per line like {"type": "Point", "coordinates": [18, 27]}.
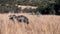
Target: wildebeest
{"type": "Point", "coordinates": [19, 18]}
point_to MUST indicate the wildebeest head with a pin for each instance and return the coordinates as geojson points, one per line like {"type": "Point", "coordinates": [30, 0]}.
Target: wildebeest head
{"type": "Point", "coordinates": [12, 17]}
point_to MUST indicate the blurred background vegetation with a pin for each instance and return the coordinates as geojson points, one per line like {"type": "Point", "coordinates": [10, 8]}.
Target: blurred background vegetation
{"type": "Point", "coordinates": [44, 6]}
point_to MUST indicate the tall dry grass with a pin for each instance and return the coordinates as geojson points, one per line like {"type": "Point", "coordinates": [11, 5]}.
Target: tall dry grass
{"type": "Point", "coordinates": [44, 24]}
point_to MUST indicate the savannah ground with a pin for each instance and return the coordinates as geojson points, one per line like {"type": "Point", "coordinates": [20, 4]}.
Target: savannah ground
{"type": "Point", "coordinates": [42, 24]}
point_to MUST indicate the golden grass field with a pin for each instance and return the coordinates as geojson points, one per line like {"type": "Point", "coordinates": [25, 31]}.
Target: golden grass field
{"type": "Point", "coordinates": [43, 24]}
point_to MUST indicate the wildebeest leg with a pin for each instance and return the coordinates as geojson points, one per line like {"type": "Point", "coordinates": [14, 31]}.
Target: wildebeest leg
{"type": "Point", "coordinates": [26, 21]}
{"type": "Point", "coordinates": [20, 20]}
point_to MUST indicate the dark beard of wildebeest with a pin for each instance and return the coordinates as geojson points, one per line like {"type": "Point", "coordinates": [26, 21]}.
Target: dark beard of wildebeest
{"type": "Point", "coordinates": [22, 18]}
{"type": "Point", "coordinates": [57, 8]}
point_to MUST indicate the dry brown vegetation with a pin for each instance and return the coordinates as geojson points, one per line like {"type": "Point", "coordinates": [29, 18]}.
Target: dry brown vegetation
{"type": "Point", "coordinates": [43, 24]}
